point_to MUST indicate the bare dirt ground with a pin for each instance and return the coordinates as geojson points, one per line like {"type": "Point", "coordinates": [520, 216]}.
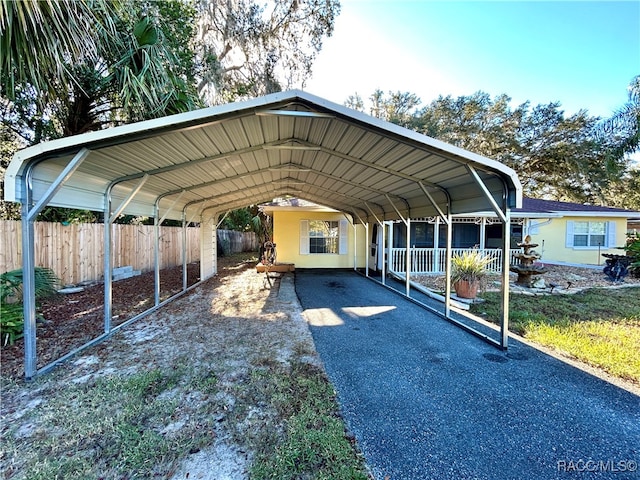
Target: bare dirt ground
{"type": "Point", "coordinates": [234, 323]}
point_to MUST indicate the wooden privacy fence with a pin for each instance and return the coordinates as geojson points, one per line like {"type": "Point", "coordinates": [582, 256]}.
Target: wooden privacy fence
{"type": "Point", "coordinates": [76, 252]}
{"type": "Point", "coordinates": [231, 241]}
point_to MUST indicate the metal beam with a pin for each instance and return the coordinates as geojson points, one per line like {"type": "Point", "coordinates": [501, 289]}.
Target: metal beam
{"type": "Point", "coordinates": [404, 220]}
{"type": "Point", "coordinates": [57, 184]}
{"type": "Point", "coordinates": [28, 283]}
{"type": "Point", "coordinates": [506, 260]}
{"type": "Point", "coordinates": [173, 204]}
{"type": "Point", "coordinates": [447, 267]}
{"type": "Point", "coordinates": [127, 201]}
{"type": "Point", "coordinates": [373, 213]}
{"type": "Point", "coordinates": [189, 164]}
{"type": "Point", "coordinates": [505, 217]}
{"type": "Point", "coordinates": [433, 202]}
{"type": "Point", "coordinates": [156, 255]}
{"type": "Point", "coordinates": [222, 219]}
{"type": "Point", "coordinates": [380, 168]}
{"type": "Point", "coordinates": [472, 171]}
{"type": "Point", "coordinates": [293, 113]}
{"type": "Point", "coordinates": [29, 214]}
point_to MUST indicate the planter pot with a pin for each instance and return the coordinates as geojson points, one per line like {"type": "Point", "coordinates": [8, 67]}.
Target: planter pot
{"type": "Point", "coordinates": [466, 288]}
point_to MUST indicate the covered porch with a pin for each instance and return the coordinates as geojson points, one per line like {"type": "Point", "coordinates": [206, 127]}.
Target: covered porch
{"type": "Point", "coordinates": [428, 236]}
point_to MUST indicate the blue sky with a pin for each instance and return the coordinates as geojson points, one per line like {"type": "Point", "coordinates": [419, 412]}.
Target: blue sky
{"type": "Point", "coordinates": [580, 53]}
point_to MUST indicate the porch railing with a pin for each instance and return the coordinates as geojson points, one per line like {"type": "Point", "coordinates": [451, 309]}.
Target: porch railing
{"type": "Point", "coordinates": [432, 260]}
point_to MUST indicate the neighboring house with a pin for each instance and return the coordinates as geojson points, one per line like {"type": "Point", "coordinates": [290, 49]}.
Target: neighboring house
{"type": "Point", "coordinates": [312, 236]}
{"type": "Point", "coordinates": [575, 233]}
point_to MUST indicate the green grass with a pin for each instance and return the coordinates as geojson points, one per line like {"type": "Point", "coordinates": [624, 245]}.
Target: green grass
{"type": "Point", "coordinates": [116, 426]}
{"type": "Point", "coordinates": [110, 428]}
{"type": "Point", "coordinates": [600, 327]}
{"type": "Point", "coordinates": [314, 443]}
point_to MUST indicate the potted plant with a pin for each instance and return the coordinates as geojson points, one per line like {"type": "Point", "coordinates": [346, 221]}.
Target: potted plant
{"type": "Point", "coordinates": [467, 272]}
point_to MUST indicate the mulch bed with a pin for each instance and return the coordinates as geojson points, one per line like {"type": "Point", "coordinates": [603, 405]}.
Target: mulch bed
{"type": "Point", "coordinates": [71, 320]}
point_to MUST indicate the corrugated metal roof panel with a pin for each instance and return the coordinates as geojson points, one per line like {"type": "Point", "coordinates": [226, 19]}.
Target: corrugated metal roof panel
{"type": "Point", "coordinates": [248, 151]}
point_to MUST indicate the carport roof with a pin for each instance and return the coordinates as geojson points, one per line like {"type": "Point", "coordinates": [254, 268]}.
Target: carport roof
{"type": "Point", "coordinates": [243, 153]}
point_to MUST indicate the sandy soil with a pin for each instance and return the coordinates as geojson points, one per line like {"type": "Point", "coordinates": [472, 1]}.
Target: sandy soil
{"type": "Point", "coordinates": [232, 323]}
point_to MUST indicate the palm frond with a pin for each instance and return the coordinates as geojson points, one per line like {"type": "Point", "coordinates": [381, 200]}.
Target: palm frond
{"type": "Point", "coordinates": [46, 283]}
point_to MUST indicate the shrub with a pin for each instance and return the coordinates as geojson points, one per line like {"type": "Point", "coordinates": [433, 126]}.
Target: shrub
{"type": "Point", "coordinates": [11, 309]}
{"type": "Point", "coordinates": [633, 250]}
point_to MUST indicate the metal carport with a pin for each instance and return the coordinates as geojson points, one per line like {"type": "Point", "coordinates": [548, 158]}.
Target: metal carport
{"type": "Point", "coordinates": [197, 165]}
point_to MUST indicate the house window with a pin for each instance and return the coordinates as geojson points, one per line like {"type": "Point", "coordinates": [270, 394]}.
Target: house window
{"type": "Point", "coordinates": [323, 236]}
{"type": "Point", "coordinates": [586, 234]}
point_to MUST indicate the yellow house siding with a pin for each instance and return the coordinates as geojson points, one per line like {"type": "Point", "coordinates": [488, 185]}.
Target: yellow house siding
{"type": "Point", "coordinates": [286, 235]}
{"type": "Point", "coordinates": [552, 238]}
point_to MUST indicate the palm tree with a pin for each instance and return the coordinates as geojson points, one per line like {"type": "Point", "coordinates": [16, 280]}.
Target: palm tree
{"type": "Point", "coordinates": [38, 38]}
{"type": "Point", "coordinates": [623, 128]}
{"type": "Point", "coordinates": [92, 62]}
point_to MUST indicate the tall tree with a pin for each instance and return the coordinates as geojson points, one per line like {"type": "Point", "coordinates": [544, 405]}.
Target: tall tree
{"type": "Point", "coordinates": [36, 37]}
{"type": "Point", "coordinates": [398, 107]}
{"type": "Point", "coordinates": [555, 156]}
{"type": "Point", "coordinates": [248, 48]}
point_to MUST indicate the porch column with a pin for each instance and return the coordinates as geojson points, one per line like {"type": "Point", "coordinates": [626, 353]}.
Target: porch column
{"type": "Point", "coordinates": [483, 233]}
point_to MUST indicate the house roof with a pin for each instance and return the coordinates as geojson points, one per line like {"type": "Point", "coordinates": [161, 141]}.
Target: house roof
{"type": "Point", "coordinates": [230, 156]}
{"type": "Point", "coordinates": [293, 203]}
{"type": "Point", "coordinates": [538, 206]}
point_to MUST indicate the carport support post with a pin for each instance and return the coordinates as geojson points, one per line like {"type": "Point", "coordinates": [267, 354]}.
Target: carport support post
{"type": "Point", "coordinates": [447, 266]}
{"type": "Point", "coordinates": [407, 269]}
{"type": "Point", "coordinates": [156, 255]}
{"type": "Point", "coordinates": [109, 218]}
{"type": "Point", "coordinates": [408, 259]}
{"type": "Point", "coordinates": [29, 214]}
{"type": "Point", "coordinates": [506, 260]}
{"type": "Point", "coordinates": [366, 249]}
{"type": "Point", "coordinates": [28, 288]}
{"type": "Point", "coordinates": [384, 263]}
{"type": "Point", "coordinates": [184, 250]}
{"type": "Point", "coordinates": [108, 277]}
{"type": "Point", "coordinates": [504, 214]}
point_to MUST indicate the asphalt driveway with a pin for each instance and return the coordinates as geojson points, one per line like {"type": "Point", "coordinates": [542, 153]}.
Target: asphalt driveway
{"type": "Point", "coordinates": [427, 400]}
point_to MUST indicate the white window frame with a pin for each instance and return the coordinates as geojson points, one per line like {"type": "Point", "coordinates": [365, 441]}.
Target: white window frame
{"type": "Point", "coordinates": [342, 243]}
{"type": "Point", "coordinates": [609, 235]}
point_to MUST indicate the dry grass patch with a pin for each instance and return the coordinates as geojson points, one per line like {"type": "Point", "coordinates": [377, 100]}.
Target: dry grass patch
{"type": "Point", "coordinates": [224, 381]}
